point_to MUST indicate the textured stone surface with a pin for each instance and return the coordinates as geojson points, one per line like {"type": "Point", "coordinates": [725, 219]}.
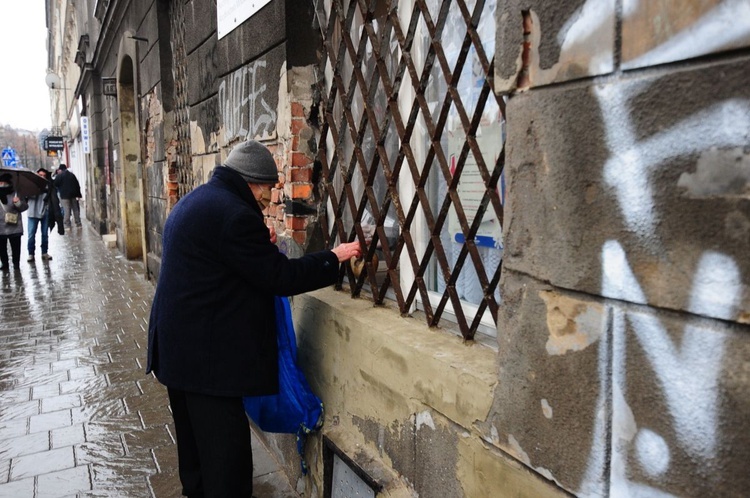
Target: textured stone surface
{"type": "Point", "coordinates": [665, 31]}
{"type": "Point", "coordinates": [553, 353]}
{"type": "Point", "coordinates": [565, 40]}
{"type": "Point", "coordinates": [679, 405]}
{"type": "Point", "coordinates": [636, 190]}
{"type": "Point", "coordinates": [403, 399]}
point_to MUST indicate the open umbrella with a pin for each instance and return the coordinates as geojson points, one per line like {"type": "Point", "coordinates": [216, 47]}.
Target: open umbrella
{"type": "Point", "coordinates": [25, 181]}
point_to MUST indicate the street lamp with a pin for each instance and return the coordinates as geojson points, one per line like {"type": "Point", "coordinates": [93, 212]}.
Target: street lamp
{"type": "Point", "coordinates": [54, 83]}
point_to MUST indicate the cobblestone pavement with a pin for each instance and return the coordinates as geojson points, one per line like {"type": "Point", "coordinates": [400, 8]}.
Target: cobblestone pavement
{"type": "Point", "coordinates": [78, 415]}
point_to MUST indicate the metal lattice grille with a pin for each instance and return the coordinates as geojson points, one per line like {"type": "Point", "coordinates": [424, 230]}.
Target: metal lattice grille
{"type": "Point", "coordinates": [184, 172]}
{"type": "Point", "coordinates": [412, 152]}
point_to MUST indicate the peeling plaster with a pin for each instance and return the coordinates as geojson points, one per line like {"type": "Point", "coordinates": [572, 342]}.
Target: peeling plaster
{"type": "Point", "coordinates": [284, 107]}
{"type": "Point", "coordinates": [573, 325]}
{"type": "Point", "coordinates": [546, 409]}
{"type": "Point", "coordinates": [719, 173]}
{"type": "Point", "coordinates": [524, 457]}
{"type": "Point", "coordinates": [425, 418]}
{"type": "Point", "coordinates": [586, 45]}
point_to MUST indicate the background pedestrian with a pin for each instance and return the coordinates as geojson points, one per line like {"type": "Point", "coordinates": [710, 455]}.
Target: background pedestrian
{"type": "Point", "coordinates": [38, 216]}
{"type": "Point", "coordinates": [70, 192]}
{"type": "Point", "coordinates": [11, 225]}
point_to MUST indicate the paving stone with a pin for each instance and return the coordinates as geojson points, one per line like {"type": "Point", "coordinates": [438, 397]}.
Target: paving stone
{"type": "Point", "coordinates": [42, 463]}
{"type": "Point", "coordinates": [79, 416]}
{"type": "Point", "coordinates": [48, 421]}
{"type": "Point", "coordinates": [10, 411]}
{"type": "Point", "coordinates": [24, 445]}
{"type": "Point", "coordinates": [67, 436]}
{"type": "Point", "coordinates": [62, 402]}
{"type": "Point", "coordinates": [65, 482]}
{"type": "Point", "coordinates": [16, 489]}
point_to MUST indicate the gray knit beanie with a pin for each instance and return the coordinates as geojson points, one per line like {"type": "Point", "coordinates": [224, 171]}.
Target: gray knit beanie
{"type": "Point", "coordinates": [254, 162]}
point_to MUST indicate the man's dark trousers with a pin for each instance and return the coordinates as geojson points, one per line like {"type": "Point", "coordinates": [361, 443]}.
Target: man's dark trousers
{"type": "Point", "coordinates": [217, 428]}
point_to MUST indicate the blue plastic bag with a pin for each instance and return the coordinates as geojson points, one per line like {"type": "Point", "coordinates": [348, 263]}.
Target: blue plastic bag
{"type": "Point", "coordinates": [296, 409]}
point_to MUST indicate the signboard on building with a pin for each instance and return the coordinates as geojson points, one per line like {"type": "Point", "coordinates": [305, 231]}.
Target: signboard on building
{"type": "Point", "coordinates": [85, 134]}
{"type": "Point", "coordinates": [55, 143]}
{"type": "Point", "coordinates": [109, 86]}
{"type": "Point", "coordinates": [232, 13]}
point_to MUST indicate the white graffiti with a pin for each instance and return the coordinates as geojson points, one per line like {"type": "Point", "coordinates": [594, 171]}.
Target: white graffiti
{"type": "Point", "coordinates": [715, 31]}
{"type": "Point", "coordinates": [245, 113]}
{"type": "Point", "coordinates": [632, 162]}
{"type": "Point", "coordinates": [687, 366]}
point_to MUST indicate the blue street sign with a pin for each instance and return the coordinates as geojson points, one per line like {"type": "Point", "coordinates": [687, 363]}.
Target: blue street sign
{"type": "Point", "coordinates": [9, 157]}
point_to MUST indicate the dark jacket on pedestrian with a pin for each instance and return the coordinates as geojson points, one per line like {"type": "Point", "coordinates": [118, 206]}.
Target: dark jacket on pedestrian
{"type": "Point", "coordinates": [54, 213]}
{"type": "Point", "coordinates": [212, 328]}
{"type": "Point", "coordinates": [67, 185]}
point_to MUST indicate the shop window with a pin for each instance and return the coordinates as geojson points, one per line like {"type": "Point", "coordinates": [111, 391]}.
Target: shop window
{"type": "Point", "coordinates": [412, 155]}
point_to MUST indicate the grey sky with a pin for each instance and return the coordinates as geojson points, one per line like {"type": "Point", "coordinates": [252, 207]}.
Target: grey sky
{"type": "Point", "coordinates": [24, 97]}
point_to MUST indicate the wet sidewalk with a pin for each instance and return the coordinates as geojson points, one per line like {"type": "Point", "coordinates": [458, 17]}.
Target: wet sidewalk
{"type": "Point", "coordinates": [78, 415]}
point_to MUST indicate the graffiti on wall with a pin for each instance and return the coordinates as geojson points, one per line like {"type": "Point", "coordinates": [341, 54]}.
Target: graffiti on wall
{"type": "Point", "coordinates": [686, 356]}
{"type": "Point", "coordinates": [244, 106]}
{"type": "Point", "coordinates": [687, 369]}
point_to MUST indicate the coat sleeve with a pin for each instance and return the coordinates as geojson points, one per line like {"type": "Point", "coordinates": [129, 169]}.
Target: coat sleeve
{"type": "Point", "coordinates": [249, 251]}
{"type": "Point", "coordinates": [21, 205]}
{"type": "Point", "coordinates": [77, 185]}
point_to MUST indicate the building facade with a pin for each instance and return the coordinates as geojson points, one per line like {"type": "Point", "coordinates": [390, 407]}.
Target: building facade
{"type": "Point", "coordinates": [554, 199]}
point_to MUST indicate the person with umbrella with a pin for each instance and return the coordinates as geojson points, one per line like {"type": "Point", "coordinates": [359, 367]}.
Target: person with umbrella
{"type": "Point", "coordinates": [11, 225]}
{"type": "Point", "coordinates": [44, 210]}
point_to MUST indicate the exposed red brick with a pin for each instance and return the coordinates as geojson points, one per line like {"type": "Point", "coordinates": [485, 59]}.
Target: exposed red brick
{"type": "Point", "coordinates": [302, 175]}
{"type": "Point", "coordinates": [528, 22]}
{"type": "Point", "coordinates": [295, 222]}
{"type": "Point", "coordinates": [297, 110]}
{"type": "Point", "coordinates": [299, 160]}
{"type": "Point", "coordinates": [298, 125]}
{"type": "Point", "coordinates": [301, 191]}
{"type": "Point", "coordinates": [276, 196]}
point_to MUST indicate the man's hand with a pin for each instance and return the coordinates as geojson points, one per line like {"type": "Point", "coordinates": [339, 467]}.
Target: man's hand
{"type": "Point", "coordinates": [272, 231]}
{"type": "Point", "coordinates": [344, 252]}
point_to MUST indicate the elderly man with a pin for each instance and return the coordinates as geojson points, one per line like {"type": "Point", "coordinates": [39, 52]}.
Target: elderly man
{"type": "Point", "coordinates": [212, 337]}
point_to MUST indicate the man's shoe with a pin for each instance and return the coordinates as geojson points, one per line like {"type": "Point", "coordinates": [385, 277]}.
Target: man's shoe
{"type": "Point", "coordinates": [46, 257]}
{"type": "Point", "coordinates": [30, 259]}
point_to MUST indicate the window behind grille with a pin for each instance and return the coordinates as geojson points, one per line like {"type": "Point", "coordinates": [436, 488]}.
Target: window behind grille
{"type": "Point", "coordinates": [412, 155]}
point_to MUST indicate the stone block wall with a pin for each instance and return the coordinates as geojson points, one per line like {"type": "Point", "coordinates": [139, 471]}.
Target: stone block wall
{"type": "Point", "coordinates": [624, 330]}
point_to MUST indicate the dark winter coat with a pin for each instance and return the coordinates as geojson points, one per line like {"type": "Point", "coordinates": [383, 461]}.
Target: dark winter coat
{"type": "Point", "coordinates": [67, 185]}
{"type": "Point", "coordinates": [47, 204]}
{"type": "Point", "coordinates": [212, 328]}
{"type": "Point", "coordinates": [54, 214]}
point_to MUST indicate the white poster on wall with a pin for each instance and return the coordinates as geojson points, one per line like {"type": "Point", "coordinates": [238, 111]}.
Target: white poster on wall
{"type": "Point", "coordinates": [232, 13]}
